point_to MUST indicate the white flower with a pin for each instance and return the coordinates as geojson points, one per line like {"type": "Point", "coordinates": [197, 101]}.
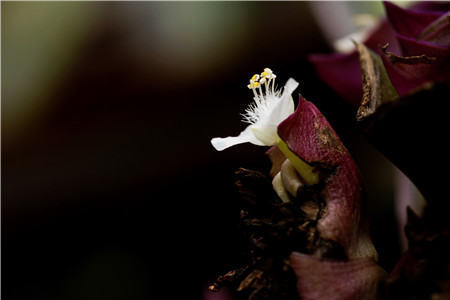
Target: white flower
{"type": "Point", "coordinates": [271, 107]}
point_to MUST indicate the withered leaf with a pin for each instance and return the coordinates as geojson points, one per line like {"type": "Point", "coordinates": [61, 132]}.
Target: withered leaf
{"type": "Point", "coordinates": [409, 60]}
{"type": "Point", "coordinates": [377, 87]}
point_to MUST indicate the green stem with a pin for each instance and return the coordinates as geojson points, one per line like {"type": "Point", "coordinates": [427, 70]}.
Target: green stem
{"type": "Point", "coordinates": [304, 169]}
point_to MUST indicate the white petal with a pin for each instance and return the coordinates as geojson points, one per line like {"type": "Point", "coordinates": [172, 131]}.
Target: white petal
{"type": "Point", "coordinates": [283, 106]}
{"type": "Point", "coordinates": [290, 86]}
{"type": "Point", "coordinates": [287, 106]}
{"type": "Point", "coordinates": [245, 136]}
{"type": "Point", "coordinates": [267, 135]}
{"type": "Point", "coordinates": [265, 115]}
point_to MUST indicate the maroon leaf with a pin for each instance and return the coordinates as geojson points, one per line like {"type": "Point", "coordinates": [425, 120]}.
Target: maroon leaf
{"type": "Point", "coordinates": [438, 32]}
{"type": "Point", "coordinates": [383, 34]}
{"type": "Point", "coordinates": [425, 64]}
{"type": "Point", "coordinates": [328, 279]}
{"type": "Point", "coordinates": [423, 30]}
{"type": "Point", "coordinates": [341, 73]}
{"type": "Point", "coordinates": [407, 22]}
{"type": "Point", "coordinates": [309, 135]}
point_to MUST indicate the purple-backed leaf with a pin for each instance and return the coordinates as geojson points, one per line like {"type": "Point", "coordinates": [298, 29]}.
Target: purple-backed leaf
{"type": "Point", "coordinates": [431, 6]}
{"type": "Point", "coordinates": [408, 76]}
{"type": "Point", "coordinates": [309, 135]}
{"type": "Point", "coordinates": [438, 32]}
{"type": "Point", "coordinates": [413, 47]}
{"type": "Point", "coordinates": [328, 279]}
{"type": "Point", "coordinates": [421, 33]}
{"type": "Point", "coordinates": [404, 77]}
{"type": "Point", "coordinates": [405, 265]}
{"type": "Point", "coordinates": [407, 22]}
{"type": "Point", "coordinates": [423, 29]}
{"type": "Point", "coordinates": [382, 35]}
{"type": "Point", "coordinates": [341, 73]}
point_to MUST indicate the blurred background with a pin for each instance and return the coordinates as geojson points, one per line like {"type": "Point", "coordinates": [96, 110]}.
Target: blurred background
{"type": "Point", "coordinates": [110, 187]}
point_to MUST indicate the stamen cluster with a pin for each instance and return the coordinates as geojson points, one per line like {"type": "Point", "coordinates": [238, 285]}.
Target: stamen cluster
{"type": "Point", "coordinates": [262, 98]}
{"type": "Point", "coordinates": [265, 78]}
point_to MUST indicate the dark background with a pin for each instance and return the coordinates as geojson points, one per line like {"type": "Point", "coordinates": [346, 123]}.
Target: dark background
{"type": "Point", "coordinates": [110, 187]}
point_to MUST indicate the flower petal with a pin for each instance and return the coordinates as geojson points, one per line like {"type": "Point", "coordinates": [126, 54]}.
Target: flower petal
{"type": "Point", "coordinates": [245, 136]}
{"type": "Point", "coordinates": [267, 135]}
{"type": "Point", "coordinates": [289, 88]}
{"type": "Point", "coordinates": [282, 107]}
{"type": "Point", "coordinates": [275, 108]}
{"type": "Point", "coordinates": [286, 107]}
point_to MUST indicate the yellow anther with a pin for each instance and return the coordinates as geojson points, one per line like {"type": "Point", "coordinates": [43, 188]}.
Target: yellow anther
{"type": "Point", "coordinates": [268, 74]}
{"type": "Point", "coordinates": [264, 78]}
{"type": "Point", "coordinates": [253, 84]}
